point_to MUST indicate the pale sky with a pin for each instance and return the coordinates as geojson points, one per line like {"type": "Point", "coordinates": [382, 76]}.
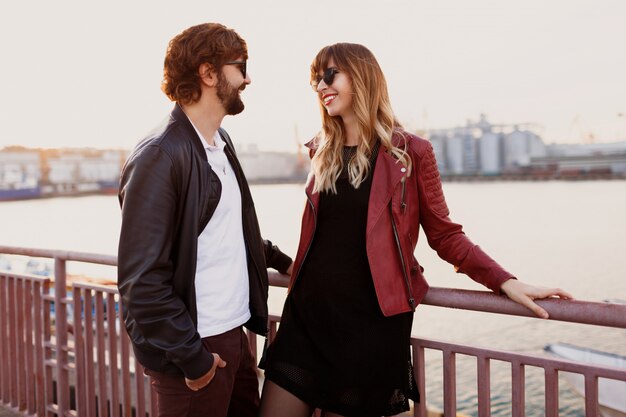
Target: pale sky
{"type": "Point", "coordinates": [83, 73]}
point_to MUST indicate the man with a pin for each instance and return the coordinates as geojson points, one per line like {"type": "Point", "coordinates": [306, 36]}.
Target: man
{"type": "Point", "coordinates": [192, 265]}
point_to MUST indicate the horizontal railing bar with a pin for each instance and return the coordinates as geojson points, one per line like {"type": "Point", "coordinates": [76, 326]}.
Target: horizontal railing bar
{"type": "Point", "coordinates": [585, 312]}
{"type": "Point", "coordinates": [61, 254]}
{"type": "Point", "coordinates": [24, 276]}
{"type": "Point", "coordinates": [527, 359]}
{"type": "Point", "coordinates": [96, 287]}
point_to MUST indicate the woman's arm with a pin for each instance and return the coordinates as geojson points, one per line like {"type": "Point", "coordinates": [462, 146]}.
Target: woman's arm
{"type": "Point", "coordinates": [452, 245]}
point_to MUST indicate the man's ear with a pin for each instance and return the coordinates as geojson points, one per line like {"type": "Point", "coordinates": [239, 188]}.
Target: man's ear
{"type": "Point", "coordinates": [207, 74]}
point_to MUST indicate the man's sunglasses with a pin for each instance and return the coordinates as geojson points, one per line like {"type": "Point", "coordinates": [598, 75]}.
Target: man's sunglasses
{"type": "Point", "coordinates": [242, 66]}
{"type": "Point", "coordinates": [328, 77]}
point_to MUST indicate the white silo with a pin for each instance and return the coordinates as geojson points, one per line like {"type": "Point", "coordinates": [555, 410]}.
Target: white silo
{"type": "Point", "coordinates": [470, 153]}
{"type": "Point", "coordinates": [537, 148]}
{"type": "Point", "coordinates": [454, 155]}
{"type": "Point", "coordinates": [516, 149]}
{"type": "Point", "coordinates": [490, 154]}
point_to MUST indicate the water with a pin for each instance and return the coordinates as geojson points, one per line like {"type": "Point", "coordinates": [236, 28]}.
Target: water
{"type": "Point", "coordinates": [566, 234]}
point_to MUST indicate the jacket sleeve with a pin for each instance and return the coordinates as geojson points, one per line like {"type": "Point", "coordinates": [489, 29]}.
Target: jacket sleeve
{"type": "Point", "coordinates": [276, 259]}
{"type": "Point", "coordinates": [155, 315]}
{"type": "Point", "coordinates": [447, 237]}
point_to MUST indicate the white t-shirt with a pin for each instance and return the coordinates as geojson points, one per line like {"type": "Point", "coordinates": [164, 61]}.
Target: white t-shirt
{"type": "Point", "coordinates": [222, 286]}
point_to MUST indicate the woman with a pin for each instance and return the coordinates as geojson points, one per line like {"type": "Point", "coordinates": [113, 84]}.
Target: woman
{"type": "Point", "coordinates": [343, 342]}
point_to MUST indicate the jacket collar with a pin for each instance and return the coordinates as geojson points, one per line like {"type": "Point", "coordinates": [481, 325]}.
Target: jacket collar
{"type": "Point", "coordinates": [178, 116]}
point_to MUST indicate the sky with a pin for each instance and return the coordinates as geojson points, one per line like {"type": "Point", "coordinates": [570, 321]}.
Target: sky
{"type": "Point", "coordinates": [87, 74]}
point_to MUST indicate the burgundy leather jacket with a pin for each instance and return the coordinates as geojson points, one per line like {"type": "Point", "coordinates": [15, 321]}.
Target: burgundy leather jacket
{"type": "Point", "coordinates": [398, 205]}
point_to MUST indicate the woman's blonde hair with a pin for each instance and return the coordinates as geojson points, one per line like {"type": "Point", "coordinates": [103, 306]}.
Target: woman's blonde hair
{"type": "Point", "coordinates": [372, 108]}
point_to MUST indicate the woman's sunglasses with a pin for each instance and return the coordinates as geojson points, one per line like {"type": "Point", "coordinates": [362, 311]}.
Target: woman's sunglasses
{"type": "Point", "coordinates": [242, 66]}
{"type": "Point", "coordinates": [328, 77]}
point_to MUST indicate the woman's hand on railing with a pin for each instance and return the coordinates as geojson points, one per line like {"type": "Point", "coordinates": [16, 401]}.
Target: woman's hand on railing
{"type": "Point", "coordinates": [524, 294]}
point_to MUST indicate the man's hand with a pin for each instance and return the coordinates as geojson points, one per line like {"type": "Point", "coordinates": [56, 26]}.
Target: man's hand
{"type": "Point", "coordinates": [290, 269]}
{"type": "Point", "coordinates": [203, 381]}
{"type": "Point", "coordinates": [524, 294]}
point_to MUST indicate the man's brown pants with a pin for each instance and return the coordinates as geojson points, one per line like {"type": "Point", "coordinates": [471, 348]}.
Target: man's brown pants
{"type": "Point", "coordinates": [233, 392]}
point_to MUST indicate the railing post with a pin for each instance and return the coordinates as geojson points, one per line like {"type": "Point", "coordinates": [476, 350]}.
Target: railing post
{"type": "Point", "coordinates": [518, 388]}
{"type": "Point", "coordinates": [419, 365]}
{"type": "Point", "coordinates": [79, 347]}
{"type": "Point", "coordinates": [552, 392]}
{"type": "Point", "coordinates": [60, 308]}
{"type": "Point", "coordinates": [4, 335]}
{"type": "Point", "coordinates": [449, 383]}
{"type": "Point", "coordinates": [591, 396]}
{"type": "Point", "coordinates": [13, 345]}
{"type": "Point", "coordinates": [40, 291]}
{"type": "Point", "coordinates": [30, 344]}
{"type": "Point", "coordinates": [484, 387]}
{"type": "Point", "coordinates": [90, 389]}
{"type": "Point", "coordinates": [20, 338]}
{"type": "Point", "coordinates": [48, 350]}
{"type": "Point", "coordinates": [111, 332]}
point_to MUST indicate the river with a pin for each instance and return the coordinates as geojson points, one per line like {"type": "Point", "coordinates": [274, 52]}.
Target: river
{"type": "Point", "coordinates": [566, 234]}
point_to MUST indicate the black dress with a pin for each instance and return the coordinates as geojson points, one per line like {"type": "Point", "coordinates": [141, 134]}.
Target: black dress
{"type": "Point", "coordinates": [334, 348]}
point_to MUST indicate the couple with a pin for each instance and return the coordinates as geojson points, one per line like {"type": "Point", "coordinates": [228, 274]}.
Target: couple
{"type": "Point", "coordinates": [193, 266]}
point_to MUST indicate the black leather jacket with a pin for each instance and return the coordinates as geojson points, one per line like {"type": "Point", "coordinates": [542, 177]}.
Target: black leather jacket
{"type": "Point", "coordinates": [168, 193]}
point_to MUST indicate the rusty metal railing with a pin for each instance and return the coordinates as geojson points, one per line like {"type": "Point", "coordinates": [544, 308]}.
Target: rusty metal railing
{"type": "Point", "coordinates": [80, 364]}
{"type": "Point", "coordinates": [66, 364]}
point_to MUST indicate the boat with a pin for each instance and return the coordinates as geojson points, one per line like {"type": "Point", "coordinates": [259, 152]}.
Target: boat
{"type": "Point", "coordinates": [17, 183]}
{"type": "Point", "coordinates": [611, 392]}
{"type": "Point", "coordinates": [21, 193]}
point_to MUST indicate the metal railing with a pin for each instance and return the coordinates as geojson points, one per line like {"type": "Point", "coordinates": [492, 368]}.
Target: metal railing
{"type": "Point", "coordinates": [601, 314]}
{"type": "Point", "coordinates": [67, 352]}
{"type": "Point", "coordinates": [80, 364]}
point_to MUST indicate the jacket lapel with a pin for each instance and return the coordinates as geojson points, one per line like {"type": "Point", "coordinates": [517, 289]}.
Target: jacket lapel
{"type": "Point", "coordinates": [387, 174]}
{"type": "Point", "coordinates": [313, 197]}
{"type": "Point", "coordinates": [310, 181]}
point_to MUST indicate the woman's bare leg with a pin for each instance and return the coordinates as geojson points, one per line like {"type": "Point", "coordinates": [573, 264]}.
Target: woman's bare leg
{"type": "Point", "coordinates": [278, 402]}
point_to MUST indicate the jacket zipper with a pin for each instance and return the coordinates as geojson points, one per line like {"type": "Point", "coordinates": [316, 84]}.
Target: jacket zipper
{"type": "Point", "coordinates": [402, 264]}
{"type": "Point", "coordinates": [310, 242]}
{"type": "Point", "coordinates": [402, 202]}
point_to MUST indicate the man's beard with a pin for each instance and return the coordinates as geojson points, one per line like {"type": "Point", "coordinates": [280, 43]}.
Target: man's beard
{"type": "Point", "coordinates": [229, 96]}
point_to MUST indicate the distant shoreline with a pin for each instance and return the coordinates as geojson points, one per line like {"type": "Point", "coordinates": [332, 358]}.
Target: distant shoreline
{"type": "Point", "coordinates": [281, 181]}
{"type": "Point", "coordinates": [533, 177]}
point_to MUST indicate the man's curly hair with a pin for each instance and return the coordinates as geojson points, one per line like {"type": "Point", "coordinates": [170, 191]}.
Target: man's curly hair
{"type": "Point", "coordinates": [211, 43]}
